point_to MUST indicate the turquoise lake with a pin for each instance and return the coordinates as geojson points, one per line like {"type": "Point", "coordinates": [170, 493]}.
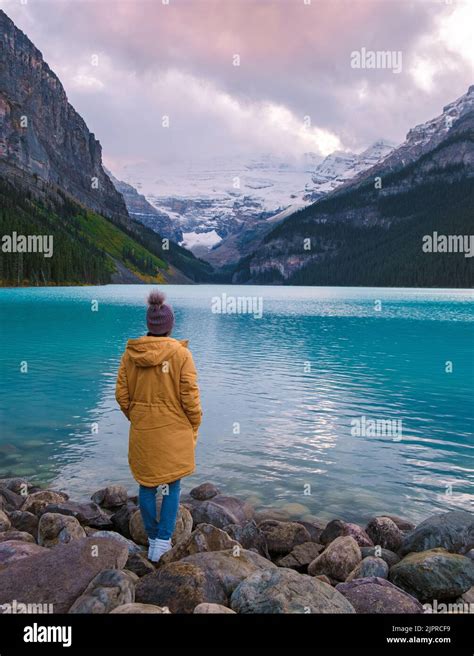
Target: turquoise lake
{"type": "Point", "coordinates": [281, 394]}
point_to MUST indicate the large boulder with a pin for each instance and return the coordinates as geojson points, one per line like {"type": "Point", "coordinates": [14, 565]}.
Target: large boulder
{"type": "Point", "coordinates": [229, 567]}
{"type": "Point", "coordinates": [139, 609]}
{"type": "Point", "coordinates": [20, 536]}
{"type": "Point", "coordinates": [338, 560]}
{"type": "Point", "coordinates": [204, 492]}
{"type": "Point", "coordinates": [25, 521]}
{"type": "Point", "coordinates": [212, 609]}
{"type": "Point", "coordinates": [453, 530]}
{"type": "Point", "coordinates": [333, 529]}
{"type": "Point", "coordinates": [369, 567]}
{"type": "Point", "coordinates": [54, 528]}
{"type": "Point", "coordinates": [5, 523]}
{"type": "Point", "coordinates": [121, 518]}
{"type": "Point", "coordinates": [337, 528]}
{"type": "Point", "coordinates": [204, 538]}
{"type": "Point", "coordinates": [108, 590]}
{"type": "Point", "coordinates": [250, 536]}
{"type": "Point", "coordinates": [61, 574]}
{"type": "Point", "coordinates": [182, 531]}
{"type": "Point", "coordinates": [384, 532]}
{"type": "Point", "coordinates": [377, 595]}
{"type": "Point", "coordinates": [208, 577]}
{"type": "Point", "coordinates": [433, 574]}
{"type": "Point", "coordinates": [283, 537]}
{"type": "Point", "coordinates": [314, 527]}
{"type": "Point", "coordinates": [36, 501]}
{"type": "Point", "coordinates": [301, 556]}
{"type": "Point", "coordinates": [12, 551]}
{"type": "Point", "coordinates": [111, 496]}
{"type": "Point", "coordinates": [221, 511]}
{"type": "Point", "coordinates": [285, 591]}
{"type": "Point", "coordinates": [87, 514]}
{"type": "Point", "coordinates": [389, 557]}
{"type": "Point", "coordinates": [180, 586]}
{"type": "Point", "coordinates": [113, 535]}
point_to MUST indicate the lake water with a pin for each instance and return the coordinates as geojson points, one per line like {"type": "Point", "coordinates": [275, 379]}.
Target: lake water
{"type": "Point", "coordinates": [281, 394]}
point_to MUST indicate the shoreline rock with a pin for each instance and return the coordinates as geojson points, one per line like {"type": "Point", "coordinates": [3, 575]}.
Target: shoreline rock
{"type": "Point", "coordinates": [226, 557]}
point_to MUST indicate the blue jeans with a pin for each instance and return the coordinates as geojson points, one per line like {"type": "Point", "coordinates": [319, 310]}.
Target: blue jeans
{"type": "Point", "coordinates": [164, 528]}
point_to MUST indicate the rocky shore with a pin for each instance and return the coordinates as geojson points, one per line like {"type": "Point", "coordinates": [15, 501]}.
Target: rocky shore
{"type": "Point", "coordinates": [62, 556]}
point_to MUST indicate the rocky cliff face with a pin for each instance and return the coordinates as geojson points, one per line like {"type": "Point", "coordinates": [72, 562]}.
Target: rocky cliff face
{"type": "Point", "coordinates": [42, 138]}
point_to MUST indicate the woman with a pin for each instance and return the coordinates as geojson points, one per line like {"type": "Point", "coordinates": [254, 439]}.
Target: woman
{"type": "Point", "coordinates": [157, 391]}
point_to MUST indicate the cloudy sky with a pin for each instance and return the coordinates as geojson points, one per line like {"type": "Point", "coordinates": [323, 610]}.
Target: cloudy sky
{"type": "Point", "coordinates": [242, 77]}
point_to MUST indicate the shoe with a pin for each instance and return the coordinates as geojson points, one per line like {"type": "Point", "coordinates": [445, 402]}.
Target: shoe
{"type": "Point", "coordinates": [160, 548]}
{"type": "Point", "coordinates": [152, 546]}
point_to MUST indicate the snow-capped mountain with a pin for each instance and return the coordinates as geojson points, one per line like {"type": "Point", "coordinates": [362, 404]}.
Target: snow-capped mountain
{"type": "Point", "coordinates": [215, 207]}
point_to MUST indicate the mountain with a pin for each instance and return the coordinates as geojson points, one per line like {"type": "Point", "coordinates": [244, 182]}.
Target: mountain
{"type": "Point", "coordinates": [52, 182]}
{"type": "Point", "coordinates": [371, 229]}
{"type": "Point", "coordinates": [218, 207]}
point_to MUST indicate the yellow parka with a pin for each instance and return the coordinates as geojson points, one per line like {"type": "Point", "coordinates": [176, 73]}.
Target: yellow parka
{"type": "Point", "coordinates": [157, 391]}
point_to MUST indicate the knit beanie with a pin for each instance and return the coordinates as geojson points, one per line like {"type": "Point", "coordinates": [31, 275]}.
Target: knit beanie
{"type": "Point", "coordinates": [159, 316]}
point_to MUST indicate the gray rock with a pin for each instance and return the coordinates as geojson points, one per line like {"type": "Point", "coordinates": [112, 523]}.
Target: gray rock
{"type": "Point", "coordinates": [403, 524]}
{"type": "Point", "coordinates": [183, 529]}
{"type": "Point", "coordinates": [12, 551]}
{"type": "Point", "coordinates": [111, 496]}
{"type": "Point", "coordinates": [301, 556]}
{"type": "Point", "coordinates": [314, 528]}
{"type": "Point", "coordinates": [59, 575]}
{"type": "Point", "coordinates": [18, 485]}
{"type": "Point", "coordinates": [110, 589]}
{"type": "Point", "coordinates": [470, 554]}
{"type": "Point", "coordinates": [285, 591]}
{"type": "Point", "coordinates": [87, 514]}
{"type": "Point", "coordinates": [113, 535]}
{"type": "Point", "coordinates": [338, 560]}
{"type": "Point", "coordinates": [204, 538]}
{"type": "Point", "coordinates": [369, 567]}
{"type": "Point", "coordinates": [25, 521]}
{"type": "Point", "coordinates": [268, 513]}
{"type": "Point", "coordinates": [249, 536]}
{"type": "Point", "coordinates": [36, 501]}
{"type": "Point", "coordinates": [139, 609]}
{"type": "Point", "coordinates": [433, 574]}
{"type": "Point", "coordinates": [19, 536]}
{"type": "Point", "coordinates": [204, 492]}
{"type": "Point", "coordinates": [139, 564]}
{"type": "Point", "coordinates": [389, 557]}
{"type": "Point", "coordinates": [54, 528]}
{"type": "Point", "coordinates": [11, 500]}
{"type": "Point", "coordinates": [283, 537]}
{"type": "Point", "coordinates": [5, 523]}
{"type": "Point", "coordinates": [334, 529]}
{"type": "Point", "coordinates": [384, 532]}
{"type": "Point", "coordinates": [377, 595]}
{"type": "Point", "coordinates": [212, 609]}
{"type": "Point", "coordinates": [121, 519]}
{"type": "Point", "coordinates": [221, 511]}
{"type": "Point", "coordinates": [453, 530]}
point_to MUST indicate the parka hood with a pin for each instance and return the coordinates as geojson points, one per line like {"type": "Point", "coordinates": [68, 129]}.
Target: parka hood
{"type": "Point", "coordinates": [152, 351]}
